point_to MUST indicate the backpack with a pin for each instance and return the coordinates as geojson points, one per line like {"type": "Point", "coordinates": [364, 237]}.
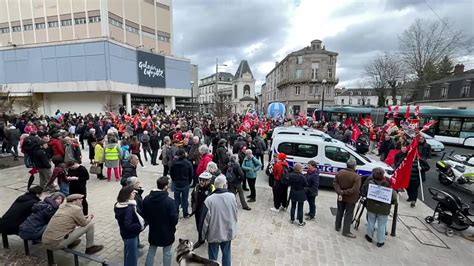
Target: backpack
{"type": "Point", "coordinates": [125, 155]}
{"type": "Point", "coordinates": [229, 174]}
{"type": "Point", "coordinates": [285, 179]}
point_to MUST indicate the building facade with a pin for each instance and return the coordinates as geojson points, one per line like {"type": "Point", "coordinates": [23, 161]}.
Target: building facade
{"type": "Point", "coordinates": [144, 24]}
{"type": "Point", "coordinates": [453, 91]}
{"type": "Point", "coordinates": [91, 56]}
{"type": "Point", "coordinates": [207, 90]}
{"type": "Point", "coordinates": [304, 80]}
{"type": "Point", "coordinates": [243, 89]}
{"type": "Point", "coordinates": [367, 97]}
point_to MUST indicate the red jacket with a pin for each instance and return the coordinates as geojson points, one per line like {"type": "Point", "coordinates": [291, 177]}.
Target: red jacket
{"type": "Point", "coordinates": [57, 146]}
{"type": "Point", "coordinates": [205, 160]}
{"type": "Point", "coordinates": [278, 170]}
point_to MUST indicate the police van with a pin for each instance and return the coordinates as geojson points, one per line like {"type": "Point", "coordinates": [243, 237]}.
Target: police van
{"type": "Point", "coordinates": [330, 154]}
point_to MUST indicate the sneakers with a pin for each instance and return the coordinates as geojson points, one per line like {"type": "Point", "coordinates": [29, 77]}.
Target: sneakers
{"type": "Point", "coordinates": [368, 238]}
{"type": "Point", "coordinates": [94, 249]}
{"type": "Point", "coordinates": [247, 208]}
{"type": "Point", "coordinates": [74, 244]}
{"type": "Point", "coordinates": [379, 245]}
{"type": "Point", "coordinates": [349, 235]}
{"type": "Point", "coordinates": [412, 204]}
{"type": "Point", "coordinates": [249, 197]}
{"type": "Point", "coordinates": [310, 218]}
{"type": "Point", "coordinates": [292, 222]}
{"type": "Point", "coordinates": [301, 224]}
{"type": "Point", "coordinates": [274, 210]}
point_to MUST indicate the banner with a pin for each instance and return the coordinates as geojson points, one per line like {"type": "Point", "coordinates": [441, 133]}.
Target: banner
{"type": "Point", "coordinates": [151, 70]}
{"type": "Point", "coordinates": [401, 178]}
{"type": "Point", "coordinates": [413, 123]}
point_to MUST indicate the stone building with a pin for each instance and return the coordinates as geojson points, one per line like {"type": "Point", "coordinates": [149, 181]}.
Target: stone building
{"type": "Point", "coordinates": [304, 80]}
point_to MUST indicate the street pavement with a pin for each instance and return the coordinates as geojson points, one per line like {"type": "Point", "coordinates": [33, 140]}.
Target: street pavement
{"type": "Point", "coordinates": [264, 238]}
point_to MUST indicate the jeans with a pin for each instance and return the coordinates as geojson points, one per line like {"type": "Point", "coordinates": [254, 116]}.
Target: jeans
{"type": "Point", "coordinates": [181, 194]}
{"type": "Point", "coordinates": [146, 149]}
{"type": "Point", "coordinates": [300, 210]}
{"type": "Point", "coordinates": [346, 210]}
{"type": "Point", "coordinates": [213, 251]}
{"type": "Point", "coordinates": [154, 155]}
{"type": "Point", "coordinates": [130, 251]}
{"type": "Point", "coordinates": [150, 257]}
{"type": "Point", "coordinates": [64, 188]}
{"type": "Point", "coordinates": [312, 205]}
{"type": "Point", "coordinates": [381, 225]}
{"type": "Point", "coordinates": [253, 193]}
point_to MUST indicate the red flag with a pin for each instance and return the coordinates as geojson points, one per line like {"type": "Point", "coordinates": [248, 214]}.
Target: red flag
{"type": "Point", "coordinates": [401, 177]}
{"type": "Point", "coordinates": [389, 112]}
{"type": "Point", "coordinates": [366, 122]}
{"type": "Point", "coordinates": [355, 132]}
{"type": "Point", "coordinates": [428, 125]}
{"type": "Point", "coordinates": [396, 110]}
{"type": "Point", "coordinates": [407, 114]}
{"type": "Point", "coordinates": [417, 111]}
{"type": "Point", "coordinates": [348, 122]}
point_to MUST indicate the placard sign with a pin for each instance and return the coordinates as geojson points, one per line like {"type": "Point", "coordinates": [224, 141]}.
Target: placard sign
{"type": "Point", "coordinates": [151, 70]}
{"type": "Point", "coordinates": [379, 193]}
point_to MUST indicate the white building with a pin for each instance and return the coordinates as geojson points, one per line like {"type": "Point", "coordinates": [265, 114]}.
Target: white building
{"type": "Point", "coordinates": [243, 89]}
{"type": "Point", "coordinates": [363, 97]}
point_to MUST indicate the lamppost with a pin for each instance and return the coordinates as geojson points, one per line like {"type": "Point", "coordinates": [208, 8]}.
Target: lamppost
{"type": "Point", "coordinates": [217, 79]}
{"type": "Point", "coordinates": [192, 97]}
{"type": "Point", "coordinates": [323, 82]}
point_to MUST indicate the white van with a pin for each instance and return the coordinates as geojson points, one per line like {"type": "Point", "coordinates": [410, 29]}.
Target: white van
{"type": "Point", "coordinates": [330, 154]}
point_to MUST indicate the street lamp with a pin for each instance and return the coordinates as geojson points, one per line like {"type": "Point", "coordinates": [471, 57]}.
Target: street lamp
{"type": "Point", "coordinates": [323, 82]}
{"type": "Point", "coordinates": [217, 78]}
{"type": "Point", "coordinates": [192, 97]}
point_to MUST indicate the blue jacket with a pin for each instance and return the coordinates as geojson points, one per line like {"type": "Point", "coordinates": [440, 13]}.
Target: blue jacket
{"type": "Point", "coordinates": [181, 172]}
{"type": "Point", "coordinates": [251, 167]}
{"type": "Point", "coordinates": [313, 183]}
{"type": "Point", "coordinates": [33, 227]}
{"type": "Point", "coordinates": [128, 219]}
{"type": "Point", "coordinates": [161, 215]}
{"type": "Point", "coordinates": [297, 183]}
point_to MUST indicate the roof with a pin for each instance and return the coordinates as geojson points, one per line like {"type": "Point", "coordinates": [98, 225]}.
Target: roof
{"type": "Point", "coordinates": [242, 69]}
{"type": "Point", "coordinates": [308, 50]}
{"type": "Point", "coordinates": [466, 75]}
{"type": "Point", "coordinates": [247, 99]}
{"type": "Point", "coordinates": [223, 76]}
{"type": "Point", "coordinates": [355, 92]}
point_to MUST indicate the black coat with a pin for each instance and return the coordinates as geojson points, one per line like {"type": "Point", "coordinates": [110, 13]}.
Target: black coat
{"type": "Point", "coordinates": [155, 142]}
{"type": "Point", "coordinates": [128, 170]}
{"type": "Point", "coordinates": [313, 183]}
{"type": "Point", "coordinates": [181, 172]}
{"type": "Point", "coordinates": [415, 172]}
{"type": "Point", "coordinates": [425, 150]}
{"type": "Point", "coordinates": [41, 213]}
{"type": "Point", "coordinates": [128, 221]}
{"type": "Point", "coordinates": [40, 159]}
{"type": "Point", "coordinates": [297, 183]}
{"type": "Point", "coordinates": [161, 215]}
{"type": "Point", "coordinates": [17, 213]}
{"type": "Point", "coordinates": [386, 146]}
{"type": "Point", "coordinates": [78, 186]}
{"type": "Point", "coordinates": [238, 173]}
{"type": "Point", "coordinates": [221, 158]}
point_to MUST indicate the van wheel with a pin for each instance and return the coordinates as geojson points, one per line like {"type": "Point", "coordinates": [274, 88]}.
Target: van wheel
{"type": "Point", "coordinates": [443, 180]}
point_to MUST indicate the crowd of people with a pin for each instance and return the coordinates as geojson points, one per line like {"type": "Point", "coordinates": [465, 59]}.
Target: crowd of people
{"type": "Point", "coordinates": [213, 162]}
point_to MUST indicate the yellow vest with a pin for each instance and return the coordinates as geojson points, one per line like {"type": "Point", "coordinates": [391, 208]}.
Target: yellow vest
{"type": "Point", "coordinates": [112, 154]}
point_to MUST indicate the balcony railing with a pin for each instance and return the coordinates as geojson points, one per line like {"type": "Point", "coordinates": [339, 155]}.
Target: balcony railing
{"type": "Point", "coordinates": [294, 80]}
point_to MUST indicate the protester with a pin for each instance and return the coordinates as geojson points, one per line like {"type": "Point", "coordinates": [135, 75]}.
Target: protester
{"type": "Point", "coordinates": [42, 163]}
{"type": "Point", "coordinates": [181, 173]}
{"type": "Point", "coordinates": [377, 211]}
{"type": "Point", "coordinates": [12, 136]}
{"type": "Point", "coordinates": [91, 142]}
{"type": "Point", "coordinates": [41, 213]}
{"type": "Point", "coordinates": [347, 186]}
{"type": "Point", "coordinates": [154, 146]}
{"type": "Point", "coordinates": [135, 149]}
{"type": "Point", "coordinates": [19, 211]}
{"type": "Point", "coordinates": [235, 175]}
{"type": "Point", "coordinates": [199, 194]}
{"type": "Point", "coordinates": [161, 215]}
{"type": "Point", "coordinates": [72, 151]}
{"type": "Point", "coordinates": [424, 148]}
{"type": "Point", "coordinates": [99, 152]}
{"type": "Point", "coordinates": [312, 177]}
{"type": "Point", "coordinates": [280, 189]}
{"type": "Point", "coordinates": [145, 140]}
{"type": "Point", "coordinates": [297, 183]}
{"type": "Point", "coordinates": [129, 168]}
{"type": "Point", "coordinates": [220, 221]}
{"type": "Point", "coordinates": [251, 166]}
{"type": "Point", "coordinates": [206, 158]}
{"type": "Point", "coordinates": [260, 148]}
{"type": "Point", "coordinates": [221, 158]}
{"type": "Point", "coordinates": [112, 155]}
{"type": "Point", "coordinates": [68, 225]}
{"type": "Point", "coordinates": [417, 173]}
{"type": "Point", "coordinates": [130, 224]}
{"type": "Point", "coordinates": [78, 176]}
{"type": "Point", "coordinates": [194, 156]}
{"type": "Point", "coordinates": [164, 154]}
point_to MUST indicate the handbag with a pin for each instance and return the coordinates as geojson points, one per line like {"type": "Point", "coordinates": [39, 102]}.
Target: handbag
{"type": "Point", "coordinates": [95, 169]}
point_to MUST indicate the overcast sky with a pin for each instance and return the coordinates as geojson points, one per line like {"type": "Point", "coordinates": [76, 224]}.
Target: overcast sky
{"type": "Point", "coordinates": [265, 31]}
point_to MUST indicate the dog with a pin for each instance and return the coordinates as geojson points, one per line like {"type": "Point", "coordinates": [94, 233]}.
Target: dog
{"type": "Point", "coordinates": [186, 256]}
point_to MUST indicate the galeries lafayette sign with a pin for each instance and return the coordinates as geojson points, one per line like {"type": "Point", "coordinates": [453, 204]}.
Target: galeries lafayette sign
{"type": "Point", "coordinates": [151, 70]}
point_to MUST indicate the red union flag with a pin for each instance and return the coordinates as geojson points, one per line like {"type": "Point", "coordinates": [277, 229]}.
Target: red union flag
{"type": "Point", "coordinates": [396, 110]}
{"type": "Point", "coordinates": [407, 114]}
{"type": "Point", "coordinates": [356, 132]}
{"type": "Point", "coordinates": [401, 177]}
{"type": "Point", "coordinates": [417, 111]}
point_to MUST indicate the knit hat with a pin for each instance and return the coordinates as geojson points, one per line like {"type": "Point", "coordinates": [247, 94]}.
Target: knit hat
{"type": "Point", "coordinates": [281, 156]}
{"type": "Point", "coordinates": [220, 181]}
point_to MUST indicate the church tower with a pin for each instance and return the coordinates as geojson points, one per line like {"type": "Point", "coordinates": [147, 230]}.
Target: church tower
{"type": "Point", "coordinates": [243, 89]}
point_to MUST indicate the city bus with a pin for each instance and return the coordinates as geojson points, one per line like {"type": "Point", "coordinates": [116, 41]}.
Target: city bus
{"type": "Point", "coordinates": [454, 126]}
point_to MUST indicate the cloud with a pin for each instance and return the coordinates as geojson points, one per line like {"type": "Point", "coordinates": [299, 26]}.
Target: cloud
{"type": "Point", "coordinates": [265, 31]}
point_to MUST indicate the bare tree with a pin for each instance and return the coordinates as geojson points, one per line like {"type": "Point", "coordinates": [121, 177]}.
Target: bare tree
{"type": "Point", "coordinates": [222, 108]}
{"type": "Point", "coordinates": [384, 72]}
{"type": "Point", "coordinates": [425, 43]}
{"type": "Point", "coordinates": [109, 105]}
{"type": "Point", "coordinates": [6, 102]}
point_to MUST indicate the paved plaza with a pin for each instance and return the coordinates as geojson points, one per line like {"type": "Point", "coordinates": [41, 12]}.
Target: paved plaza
{"type": "Point", "coordinates": [264, 238]}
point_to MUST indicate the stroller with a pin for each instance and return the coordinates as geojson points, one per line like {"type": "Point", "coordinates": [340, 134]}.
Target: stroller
{"type": "Point", "coordinates": [450, 211]}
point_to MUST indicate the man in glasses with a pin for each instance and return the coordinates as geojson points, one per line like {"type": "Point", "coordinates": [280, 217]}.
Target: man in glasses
{"type": "Point", "coordinates": [200, 192]}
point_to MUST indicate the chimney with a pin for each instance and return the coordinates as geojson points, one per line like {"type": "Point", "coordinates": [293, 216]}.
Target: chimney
{"type": "Point", "coordinates": [458, 69]}
{"type": "Point", "coordinates": [276, 63]}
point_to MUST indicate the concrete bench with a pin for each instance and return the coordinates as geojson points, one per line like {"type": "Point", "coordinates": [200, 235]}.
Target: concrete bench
{"type": "Point", "coordinates": [7, 245]}
{"type": "Point", "coordinates": [77, 254]}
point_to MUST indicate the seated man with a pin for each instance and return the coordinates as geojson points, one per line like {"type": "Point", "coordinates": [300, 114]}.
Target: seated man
{"type": "Point", "coordinates": [68, 225]}
{"type": "Point", "coordinates": [19, 211]}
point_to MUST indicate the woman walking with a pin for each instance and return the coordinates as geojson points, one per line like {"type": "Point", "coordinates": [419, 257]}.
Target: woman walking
{"type": "Point", "coordinates": [297, 183]}
{"type": "Point", "coordinates": [135, 148]}
{"type": "Point", "coordinates": [164, 151]}
{"type": "Point", "coordinates": [251, 166]}
{"type": "Point", "coordinates": [130, 223]}
{"type": "Point", "coordinates": [112, 159]}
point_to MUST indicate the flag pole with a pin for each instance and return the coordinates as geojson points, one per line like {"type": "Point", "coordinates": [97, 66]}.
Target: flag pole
{"type": "Point", "coordinates": [421, 181]}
